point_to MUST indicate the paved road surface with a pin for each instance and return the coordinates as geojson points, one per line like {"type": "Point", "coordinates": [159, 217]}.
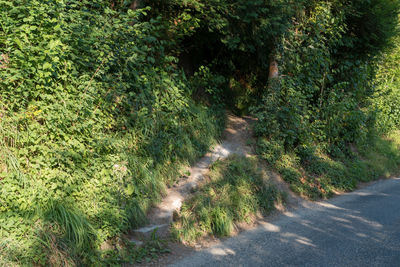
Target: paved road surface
{"type": "Point", "coordinates": [357, 229]}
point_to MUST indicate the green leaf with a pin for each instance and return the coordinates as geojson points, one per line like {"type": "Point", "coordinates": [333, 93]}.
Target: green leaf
{"type": "Point", "coordinates": [47, 65]}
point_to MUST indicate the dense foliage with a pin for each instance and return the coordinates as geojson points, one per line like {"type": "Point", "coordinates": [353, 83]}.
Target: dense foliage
{"type": "Point", "coordinates": [324, 93]}
{"type": "Point", "coordinates": [95, 120]}
{"type": "Point", "coordinates": [387, 93]}
{"type": "Point", "coordinates": [320, 108]}
{"type": "Point", "coordinates": [328, 53]}
{"type": "Point", "coordinates": [102, 103]}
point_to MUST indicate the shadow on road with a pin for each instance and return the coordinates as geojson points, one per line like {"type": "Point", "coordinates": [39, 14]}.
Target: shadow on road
{"type": "Point", "coordinates": [358, 229]}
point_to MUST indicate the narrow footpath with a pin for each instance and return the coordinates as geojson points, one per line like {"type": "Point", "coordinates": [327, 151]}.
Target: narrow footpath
{"type": "Point", "coordinates": [235, 140]}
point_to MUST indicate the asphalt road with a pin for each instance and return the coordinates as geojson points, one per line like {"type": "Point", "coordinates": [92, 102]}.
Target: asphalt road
{"type": "Point", "coordinates": [356, 229]}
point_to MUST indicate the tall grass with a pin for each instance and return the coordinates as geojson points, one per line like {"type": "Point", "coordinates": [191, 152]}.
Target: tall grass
{"type": "Point", "coordinates": [236, 190]}
{"type": "Point", "coordinates": [57, 209]}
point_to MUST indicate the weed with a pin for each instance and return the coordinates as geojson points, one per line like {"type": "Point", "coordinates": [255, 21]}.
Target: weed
{"type": "Point", "coordinates": [235, 191]}
{"type": "Point", "coordinates": [95, 121]}
{"type": "Point", "coordinates": [314, 174]}
{"type": "Point", "coordinates": [131, 253]}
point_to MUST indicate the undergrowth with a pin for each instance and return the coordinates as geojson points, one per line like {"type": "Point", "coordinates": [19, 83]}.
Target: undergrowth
{"type": "Point", "coordinates": [127, 252]}
{"type": "Point", "coordinates": [95, 121]}
{"type": "Point", "coordinates": [314, 174]}
{"type": "Point", "coordinates": [236, 190]}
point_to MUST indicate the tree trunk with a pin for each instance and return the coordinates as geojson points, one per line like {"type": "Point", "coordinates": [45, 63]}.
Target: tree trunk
{"type": "Point", "coordinates": [135, 4]}
{"type": "Point", "coordinates": [273, 70]}
{"type": "Point", "coordinates": [273, 76]}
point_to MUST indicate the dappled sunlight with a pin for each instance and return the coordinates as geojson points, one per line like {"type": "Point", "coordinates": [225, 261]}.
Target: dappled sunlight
{"type": "Point", "coordinates": [231, 131]}
{"type": "Point", "coordinates": [366, 194]}
{"type": "Point", "coordinates": [361, 235]}
{"type": "Point", "coordinates": [270, 227]}
{"type": "Point", "coordinates": [330, 206]}
{"type": "Point", "coordinates": [307, 235]}
{"type": "Point", "coordinates": [196, 175]}
{"type": "Point", "coordinates": [340, 219]}
{"type": "Point", "coordinates": [290, 214]}
{"type": "Point", "coordinates": [337, 228]}
{"type": "Point", "coordinates": [304, 242]}
{"type": "Point", "coordinates": [221, 251]}
{"type": "Point", "coordinates": [290, 237]}
{"type": "Point", "coordinates": [112, 118]}
{"type": "Point", "coordinates": [370, 223]}
{"type": "Point", "coordinates": [234, 193]}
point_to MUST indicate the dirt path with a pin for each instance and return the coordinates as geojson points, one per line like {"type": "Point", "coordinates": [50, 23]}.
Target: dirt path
{"type": "Point", "coordinates": [237, 139]}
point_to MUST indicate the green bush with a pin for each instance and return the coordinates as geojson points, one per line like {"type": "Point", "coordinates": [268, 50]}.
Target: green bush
{"type": "Point", "coordinates": [327, 62]}
{"type": "Point", "coordinates": [321, 95]}
{"type": "Point", "coordinates": [334, 93]}
{"type": "Point", "coordinates": [232, 38]}
{"type": "Point", "coordinates": [387, 94]}
{"type": "Point", "coordinates": [95, 118]}
{"type": "Point", "coordinates": [314, 175]}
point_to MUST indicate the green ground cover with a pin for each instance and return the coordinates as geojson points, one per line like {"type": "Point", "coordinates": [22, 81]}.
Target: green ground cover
{"type": "Point", "coordinates": [315, 175]}
{"type": "Point", "coordinates": [236, 190]}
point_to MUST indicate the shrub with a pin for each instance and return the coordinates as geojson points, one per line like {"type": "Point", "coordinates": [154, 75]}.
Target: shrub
{"type": "Point", "coordinates": [94, 116]}
{"type": "Point", "coordinates": [387, 94]}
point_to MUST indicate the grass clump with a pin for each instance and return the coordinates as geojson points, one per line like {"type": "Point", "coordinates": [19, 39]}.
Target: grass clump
{"type": "Point", "coordinates": [235, 191]}
{"type": "Point", "coordinates": [315, 174]}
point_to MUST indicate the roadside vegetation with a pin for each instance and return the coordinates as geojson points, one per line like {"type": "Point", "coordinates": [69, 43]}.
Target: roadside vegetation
{"type": "Point", "coordinates": [352, 134]}
{"type": "Point", "coordinates": [95, 121]}
{"type": "Point", "coordinates": [329, 121]}
{"type": "Point", "coordinates": [314, 174]}
{"type": "Point", "coordinates": [236, 190]}
{"type": "Point", "coordinates": [102, 103]}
